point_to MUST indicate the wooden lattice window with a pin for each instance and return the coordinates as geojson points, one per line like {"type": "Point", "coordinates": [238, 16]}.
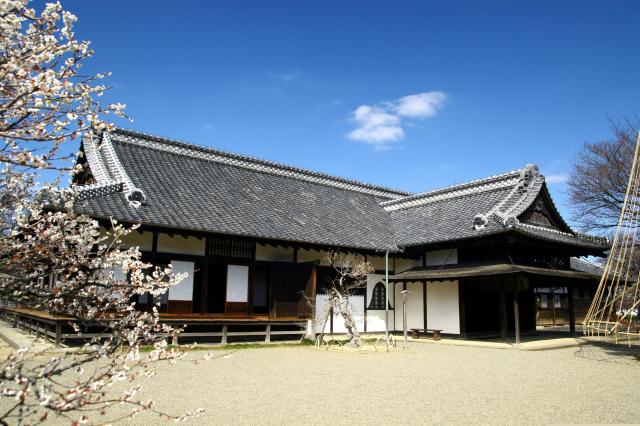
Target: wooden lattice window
{"type": "Point", "coordinates": [378, 297]}
{"type": "Point", "coordinates": [237, 249]}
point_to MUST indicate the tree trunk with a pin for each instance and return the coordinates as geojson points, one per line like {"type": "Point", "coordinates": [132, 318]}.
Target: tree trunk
{"type": "Point", "coordinates": [353, 335]}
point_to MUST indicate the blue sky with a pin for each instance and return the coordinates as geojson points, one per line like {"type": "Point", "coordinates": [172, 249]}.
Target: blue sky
{"type": "Point", "coordinates": [414, 95]}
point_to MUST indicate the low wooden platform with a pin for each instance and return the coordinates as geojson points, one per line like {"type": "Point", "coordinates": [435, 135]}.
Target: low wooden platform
{"type": "Point", "coordinates": [221, 328]}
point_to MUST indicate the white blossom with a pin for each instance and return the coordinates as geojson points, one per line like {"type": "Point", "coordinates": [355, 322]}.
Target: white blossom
{"type": "Point", "coordinates": [45, 103]}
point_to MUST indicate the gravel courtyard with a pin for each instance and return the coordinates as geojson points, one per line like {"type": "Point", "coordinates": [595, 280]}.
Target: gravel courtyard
{"type": "Point", "coordinates": [429, 383]}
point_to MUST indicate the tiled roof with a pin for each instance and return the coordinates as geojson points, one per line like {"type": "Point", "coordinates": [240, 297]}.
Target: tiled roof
{"type": "Point", "coordinates": [158, 181]}
{"type": "Point", "coordinates": [477, 208]}
{"type": "Point", "coordinates": [182, 186]}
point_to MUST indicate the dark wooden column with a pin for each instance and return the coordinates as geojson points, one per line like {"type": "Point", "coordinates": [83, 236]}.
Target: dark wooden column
{"type": "Point", "coordinates": [503, 315]}
{"type": "Point", "coordinates": [572, 313]}
{"type": "Point", "coordinates": [462, 309]}
{"type": "Point", "coordinates": [424, 302]}
{"type": "Point", "coordinates": [516, 315]}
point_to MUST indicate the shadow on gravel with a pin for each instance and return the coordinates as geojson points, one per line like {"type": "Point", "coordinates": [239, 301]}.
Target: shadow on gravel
{"type": "Point", "coordinates": [619, 353]}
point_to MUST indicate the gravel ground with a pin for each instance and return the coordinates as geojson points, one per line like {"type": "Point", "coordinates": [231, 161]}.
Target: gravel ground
{"type": "Point", "coordinates": [427, 384]}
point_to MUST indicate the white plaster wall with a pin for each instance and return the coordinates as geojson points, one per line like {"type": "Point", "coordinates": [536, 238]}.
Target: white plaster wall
{"type": "Point", "coordinates": [415, 311]}
{"type": "Point", "coordinates": [237, 283]}
{"type": "Point", "coordinates": [135, 239]}
{"type": "Point", "coordinates": [378, 262]}
{"type": "Point", "coordinates": [375, 320]}
{"type": "Point", "coordinates": [180, 245]}
{"type": "Point", "coordinates": [415, 306]}
{"type": "Point", "coordinates": [443, 308]}
{"type": "Point", "coordinates": [274, 254]}
{"type": "Point", "coordinates": [402, 265]}
{"type": "Point", "coordinates": [184, 289]}
{"type": "Point", "coordinates": [441, 257]}
{"type": "Point", "coordinates": [322, 310]}
{"type": "Point", "coordinates": [320, 256]}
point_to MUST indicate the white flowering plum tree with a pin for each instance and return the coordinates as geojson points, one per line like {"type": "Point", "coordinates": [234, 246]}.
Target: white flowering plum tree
{"type": "Point", "coordinates": [53, 260]}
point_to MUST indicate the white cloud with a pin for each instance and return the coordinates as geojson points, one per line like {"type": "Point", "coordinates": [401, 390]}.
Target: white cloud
{"type": "Point", "coordinates": [557, 178]}
{"type": "Point", "coordinates": [421, 105]}
{"type": "Point", "coordinates": [375, 126]}
{"type": "Point", "coordinates": [382, 125]}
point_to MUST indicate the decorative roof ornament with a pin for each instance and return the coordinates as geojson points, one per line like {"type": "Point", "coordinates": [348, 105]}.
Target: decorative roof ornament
{"type": "Point", "coordinates": [511, 222]}
{"type": "Point", "coordinates": [108, 171]}
{"type": "Point", "coordinates": [480, 222]}
{"type": "Point", "coordinates": [136, 197]}
{"type": "Point", "coordinates": [528, 175]}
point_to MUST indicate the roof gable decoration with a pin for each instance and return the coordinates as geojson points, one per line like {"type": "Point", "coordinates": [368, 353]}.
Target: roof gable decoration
{"type": "Point", "coordinates": [108, 172]}
{"type": "Point", "coordinates": [521, 196]}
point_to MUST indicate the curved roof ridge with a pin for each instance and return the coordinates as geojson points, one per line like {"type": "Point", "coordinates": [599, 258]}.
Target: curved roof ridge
{"type": "Point", "coordinates": [457, 190]}
{"type": "Point", "coordinates": [208, 153]}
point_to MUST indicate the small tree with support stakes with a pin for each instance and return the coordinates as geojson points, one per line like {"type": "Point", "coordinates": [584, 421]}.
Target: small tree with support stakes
{"type": "Point", "coordinates": [351, 275]}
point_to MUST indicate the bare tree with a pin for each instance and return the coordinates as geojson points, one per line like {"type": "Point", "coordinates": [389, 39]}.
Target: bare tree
{"type": "Point", "coordinates": [351, 276]}
{"type": "Point", "coordinates": [599, 179]}
{"type": "Point", "coordinates": [51, 259]}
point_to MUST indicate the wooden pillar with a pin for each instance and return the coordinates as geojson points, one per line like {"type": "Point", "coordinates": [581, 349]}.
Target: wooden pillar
{"type": "Point", "coordinates": [267, 336]}
{"type": "Point", "coordinates": [503, 315]}
{"type": "Point", "coordinates": [223, 340]}
{"type": "Point", "coordinates": [462, 309]}
{"type": "Point", "coordinates": [572, 313]}
{"type": "Point", "coordinates": [516, 316]}
{"type": "Point", "coordinates": [424, 302]}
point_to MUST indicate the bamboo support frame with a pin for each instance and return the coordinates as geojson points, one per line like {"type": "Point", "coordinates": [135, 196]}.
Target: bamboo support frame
{"type": "Point", "coordinates": [614, 310]}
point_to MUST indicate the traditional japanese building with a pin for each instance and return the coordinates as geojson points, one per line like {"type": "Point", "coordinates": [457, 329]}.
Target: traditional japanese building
{"type": "Point", "coordinates": [253, 236]}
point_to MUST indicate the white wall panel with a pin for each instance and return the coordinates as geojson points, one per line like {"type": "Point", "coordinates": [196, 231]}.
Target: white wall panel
{"type": "Point", "coordinates": [322, 310]}
{"type": "Point", "coordinates": [184, 289]}
{"type": "Point", "coordinates": [135, 239]}
{"type": "Point", "coordinates": [415, 305]}
{"type": "Point", "coordinates": [180, 245]}
{"type": "Point", "coordinates": [375, 321]}
{"type": "Point", "coordinates": [305, 255]}
{"type": "Point", "coordinates": [402, 265]}
{"type": "Point", "coordinates": [415, 312]}
{"type": "Point", "coordinates": [443, 308]}
{"type": "Point", "coordinates": [237, 283]}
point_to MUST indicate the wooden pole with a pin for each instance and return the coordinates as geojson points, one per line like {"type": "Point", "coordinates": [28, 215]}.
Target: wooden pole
{"type": "Point", "coordinates": [572, 313]}
{"type": "Point", "coordinates": [516, 316]}
{"type": "Point", "coordinates": [58, 333]}
{"type": "Point", "coordinates": [386, 296]}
